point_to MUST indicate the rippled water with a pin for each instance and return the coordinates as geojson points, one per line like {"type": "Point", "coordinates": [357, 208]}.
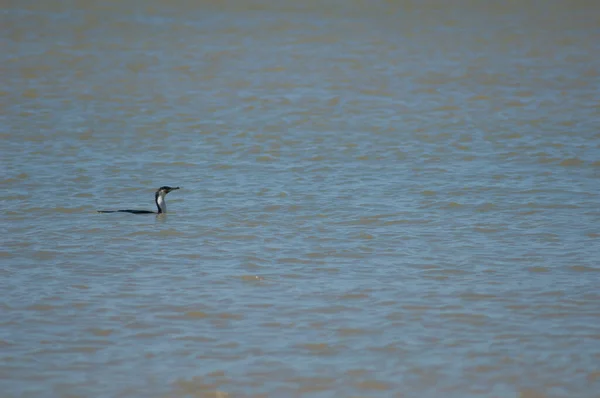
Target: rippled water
{"type": "Point", "coordinates": [378, 199]}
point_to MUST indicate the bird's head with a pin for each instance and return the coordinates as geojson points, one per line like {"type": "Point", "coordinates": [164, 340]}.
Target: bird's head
{"type": "Point", "coordinates": [163, 191]}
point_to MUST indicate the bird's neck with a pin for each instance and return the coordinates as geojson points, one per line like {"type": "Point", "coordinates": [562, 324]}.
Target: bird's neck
{"type": "Point", "coordinates": [161, 204]}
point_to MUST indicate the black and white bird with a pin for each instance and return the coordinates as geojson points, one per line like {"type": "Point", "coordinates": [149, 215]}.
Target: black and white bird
{"type": "Point", "coordinates": [159, 199]}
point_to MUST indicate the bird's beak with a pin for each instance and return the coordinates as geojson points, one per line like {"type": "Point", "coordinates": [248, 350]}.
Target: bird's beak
{"type": "Point", "coordinates": [172, 189]}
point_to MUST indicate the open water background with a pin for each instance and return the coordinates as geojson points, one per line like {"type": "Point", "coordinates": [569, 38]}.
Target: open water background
{"type": "Point", "coordinates": [379, 199]}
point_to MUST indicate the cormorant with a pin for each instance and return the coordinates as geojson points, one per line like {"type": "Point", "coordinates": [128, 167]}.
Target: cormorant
{"type": "Point", "coordinates": [159, 199]}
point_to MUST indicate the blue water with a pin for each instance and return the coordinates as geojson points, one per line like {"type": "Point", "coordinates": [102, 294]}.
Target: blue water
{"type": "Point", "coordinates": [378, 200]}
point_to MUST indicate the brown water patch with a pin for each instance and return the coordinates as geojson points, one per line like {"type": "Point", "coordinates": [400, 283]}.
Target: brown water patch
{"type": "Point", "coordinates": [278, 325]}
{"type": "Point", "coordinates": [365, 236]}
{"type": "Point", "coordinates": [395, 316]}
{"type": "Point", "coordinates": [572, 162]}
{"type": "Point", "coordinates": [45, 255]}
{"type": "Point", "coordinates": [471, 319]}
{"type": "Point", "coordinates": [85, 350]}
{"type": "Point", "coordinates": [584, 268]}
{"type": "Point", "coordinates": [408, 222]}
{"type": "Point", "coordinates": [374, 385]}
{"type": "Point", "coordinates": [138, 325]}
{"type": "Point", "coordinates": [292, 260]}
{"type": "Point", "coordinates": [515, 103]}
{"type": "Point", "coordinates": [538, 269]}
{"type": "Point", "coordinates": [195, 314]}
{"type": "Point", "coordinates": [353, 331]}
{"type": "Point", "coordinates": [253, 266]}
{"type": "Point", "coordinates": [354, 296]}
{"type": "Point", "coordinates": [478, 296]}
{"type": "Point", "coordinates": [101, 332]}
{"type": "Point", "coordinates": [593, 377]}
{"type": "Point", "coordinates": [334, 309]}
{"type": "Point", "coordinates": [485, 207]}
{"type": "Point", "coordinates": [73, 210]}
{"type": "Point", "coordinates": [198, 339]}
{"type": "Point", "coordinates": [151, 335]}
{"type": "Point", "coordinates": [319, 348]}
{"type": "Point", "coordinates": [449, 271]}
{"type": "Point", "coordinates": [416, 307]}
{"type": "Point", "coordinates": [231, 344]}
{"type": "Point", "coordinates": [311, 384]}
{"type": "Point", "coordinates": [251, 278]}
{"type": "Point", "coordinates": [293, 276]}
{"type": "Point", "coordinates": [229, 315]}
{"type": "Point", "coordinates": [41, 307]}
{"type": "Point", "coordinates": [197, 387]}
{"type": "Point", "coordinates": [529, 393]}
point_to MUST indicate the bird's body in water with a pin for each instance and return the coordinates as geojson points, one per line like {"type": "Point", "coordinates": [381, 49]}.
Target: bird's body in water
{"type": "Point", "coordinates": [159, 199]}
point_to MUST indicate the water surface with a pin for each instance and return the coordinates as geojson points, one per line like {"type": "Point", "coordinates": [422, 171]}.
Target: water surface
{"type": "Point", "coordinates": [378, 199]}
